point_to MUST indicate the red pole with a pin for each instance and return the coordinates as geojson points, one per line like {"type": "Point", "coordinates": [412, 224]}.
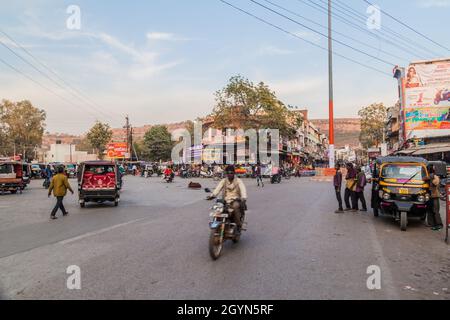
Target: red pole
{"type": "Point", "coordinates": [330, 82]}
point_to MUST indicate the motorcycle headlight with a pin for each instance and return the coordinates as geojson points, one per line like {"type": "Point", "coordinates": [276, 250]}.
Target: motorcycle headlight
{"type": "Point", "coordinates": [421, 198]}
{"type": "Point", "coordinates": [218, 207]}
{"type": "Point", "coordinates": [386, 196]}
{"type": "Point", "coordinates": [427, 197]}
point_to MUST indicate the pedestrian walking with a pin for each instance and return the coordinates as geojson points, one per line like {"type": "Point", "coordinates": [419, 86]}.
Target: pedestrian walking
{"type": "Point", "coordinates": [337, 183]}
{"type": "Point", "coordinates": [361, 182]}
{"type": "Point", "coordinates": [258, 175]}
{"type": "Point", "coordinates": [59, 185]}
{"type": "Point", "coordinates": [433, 215]}
{"type": "Point", "coordinates": [350, 186]}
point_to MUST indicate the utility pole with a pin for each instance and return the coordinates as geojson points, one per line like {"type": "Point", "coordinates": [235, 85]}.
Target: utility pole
{"type": "Point", "coordinates": [127, 127]}
{"type": "Point", "coordinates": [131, 142]}
{"type": "Point", "coordinates": [330, 84]}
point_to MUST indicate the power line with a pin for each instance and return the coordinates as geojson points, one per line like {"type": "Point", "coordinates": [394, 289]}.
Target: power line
{"type": "Point", "coordinates": [39, 71]}
{"type": "Point", "coordinates": [77, 93]}
{"type": "Point", "coordinates": [324, 35]}
{"type": "Point", "coordinates": [336, 32]}
{"type": "Point", "coordinates": [404, 47]}
{"type": "Point", "coordinates": [303, 39]}
{"type": "Point", "coordinates": [407, 26]}
{"type": "Point", "coordinates": [36, 82]}
{"type": "Point", "coordinates": [362, 18]}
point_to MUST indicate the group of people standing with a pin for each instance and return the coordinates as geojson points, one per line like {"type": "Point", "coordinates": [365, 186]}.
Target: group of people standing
{"type": "Point", "coordinates": [355, 182]}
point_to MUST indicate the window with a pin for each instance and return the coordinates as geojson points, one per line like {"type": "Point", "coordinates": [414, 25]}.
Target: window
{"type": "Point", "coordinates": [6, 169]}
{"type": "Point", "coordinates": [403, 172]}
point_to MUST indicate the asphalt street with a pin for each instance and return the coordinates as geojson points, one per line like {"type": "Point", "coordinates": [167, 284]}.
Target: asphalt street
{"type": "Point", "coordinates": [154, 245]}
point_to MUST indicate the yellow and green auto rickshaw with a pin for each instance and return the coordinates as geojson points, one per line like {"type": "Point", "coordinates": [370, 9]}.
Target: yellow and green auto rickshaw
{"type": "Point", "coordinates": [400, 188]}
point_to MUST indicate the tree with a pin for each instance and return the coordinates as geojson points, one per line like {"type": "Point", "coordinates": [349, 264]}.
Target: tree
{"type": "Point", "coordinates": [21, 127]}
{"type": "Point", "coordinates": [138, 149]}
{"type": "Point", "coordinates": [373, 119]}
{"type": "Point", "coordinates": [158, 143]}
{"type": "Point", "coordinates": [243, 105]}
{"type": "Point", "coordinates": [99, 135]}
{"type": "Point", "coordinates": [84, 145]}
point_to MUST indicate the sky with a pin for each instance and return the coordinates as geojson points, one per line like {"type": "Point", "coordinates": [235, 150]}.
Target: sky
{"type": "Point", "coordinates": [161, 61]}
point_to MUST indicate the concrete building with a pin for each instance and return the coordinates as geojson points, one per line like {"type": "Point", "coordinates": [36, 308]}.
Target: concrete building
{"type": "Point", "coordinates": [66, 153]}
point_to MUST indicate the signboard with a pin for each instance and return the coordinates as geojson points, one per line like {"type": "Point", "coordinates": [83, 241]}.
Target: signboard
{"type": "Point", "coordinates": [117, 150]}
{"type": "Point", "coordinates": [427, 99]}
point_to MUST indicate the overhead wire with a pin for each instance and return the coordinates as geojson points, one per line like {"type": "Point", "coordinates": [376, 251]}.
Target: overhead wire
{"type": "Point", "coordinates": [301, 38]}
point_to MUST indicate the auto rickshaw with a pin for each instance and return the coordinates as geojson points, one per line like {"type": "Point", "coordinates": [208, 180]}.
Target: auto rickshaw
{"type": "Point", "coordinates": [11, 177]}
{"type": "Point", "coordinates": [400, 188]}
{"type": "Point", "coordinates": [99, 181]}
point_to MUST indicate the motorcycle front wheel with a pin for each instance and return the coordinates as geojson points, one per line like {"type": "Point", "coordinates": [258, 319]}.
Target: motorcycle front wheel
{"type": "Point", "coordinates": [215, 245]}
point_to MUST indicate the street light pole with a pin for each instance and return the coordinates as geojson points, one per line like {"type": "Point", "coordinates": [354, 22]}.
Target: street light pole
{"type": "Point", "coordinates": [330, 88]}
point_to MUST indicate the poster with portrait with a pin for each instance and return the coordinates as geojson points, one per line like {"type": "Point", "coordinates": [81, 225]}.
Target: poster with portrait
{"type": "Point", "coordinates": [427, 99]}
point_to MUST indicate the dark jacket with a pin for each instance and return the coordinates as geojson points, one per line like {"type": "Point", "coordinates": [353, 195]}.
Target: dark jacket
{"type": "Point", "coordinates": [337, 181]}
{"type": "Point", "coordinates": [362, 181]}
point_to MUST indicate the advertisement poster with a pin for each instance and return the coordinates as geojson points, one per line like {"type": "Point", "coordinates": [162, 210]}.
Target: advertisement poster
{"type": "Point", "coordinates": [117, 150]}
{"type": "Point", "coordinates": [427, 100]}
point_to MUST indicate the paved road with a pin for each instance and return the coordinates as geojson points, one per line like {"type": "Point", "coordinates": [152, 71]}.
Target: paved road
{"type": "Point", "coordinates": [154, 246]}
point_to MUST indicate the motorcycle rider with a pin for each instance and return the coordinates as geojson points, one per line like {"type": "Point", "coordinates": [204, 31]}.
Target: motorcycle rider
{"type": "Point", "coordinates": [48, 176]}
{"type": "Point", "coordinates": [168, 172]}
{"type": "Point", "coordinates": [234, 194]}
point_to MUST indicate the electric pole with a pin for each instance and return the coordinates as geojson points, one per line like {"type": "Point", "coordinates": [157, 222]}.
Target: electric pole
{"type": "Point", "coordinates": [127, 127]}
{"type": "Point", "coordinates": [330, 84]}
{"type": "Point", "coordinates": [131, 143]}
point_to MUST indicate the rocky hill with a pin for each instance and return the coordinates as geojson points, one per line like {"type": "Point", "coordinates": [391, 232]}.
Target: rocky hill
{"type": "Point", "coordinates": [346, 130]}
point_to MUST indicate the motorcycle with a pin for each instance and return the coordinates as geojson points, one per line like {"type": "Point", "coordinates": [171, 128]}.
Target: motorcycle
{"type": "Point", "coordinates": [222, 228]}
{"type": "Point", "coordinates": [148, 173]}
{"type": "Point", "coordinates": [169, 178]}
{"type": "Point", "coordinates": [206, 174]}
{"type": "Point", "coordinates": [185, 174]}
{"type": "Point", "coordinates": [46, 183]}
{"type": "Point", "coordinates": [276, 178]}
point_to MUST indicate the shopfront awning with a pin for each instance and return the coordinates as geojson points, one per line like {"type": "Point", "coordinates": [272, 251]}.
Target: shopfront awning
{"type": "Point", "coordinates": [430, 149]}
{"type": "Point", "coordinates": [405, 152]}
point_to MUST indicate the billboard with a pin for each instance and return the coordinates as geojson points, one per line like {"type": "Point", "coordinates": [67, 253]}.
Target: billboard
{"type": "Point", "coordinates": [427, 99]}
{"type": "Point", "coordinates": [117, 150]}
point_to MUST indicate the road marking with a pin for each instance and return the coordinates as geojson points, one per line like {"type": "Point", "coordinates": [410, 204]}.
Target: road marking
{"type": "Point", "coordinates": [94, 233]}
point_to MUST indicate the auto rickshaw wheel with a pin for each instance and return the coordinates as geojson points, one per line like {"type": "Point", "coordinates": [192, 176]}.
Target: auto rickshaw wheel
{"type": "Point", "coordinates": [116, 202]}
{"type": "Point", "coordinates": [403, 220]}
{"type": "Point", "coordinates": [13, 191]}
{"type": "Point", "coordinates": [82, 204]}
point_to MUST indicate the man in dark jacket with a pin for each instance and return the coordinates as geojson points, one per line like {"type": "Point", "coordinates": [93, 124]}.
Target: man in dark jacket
{"type": "Point", "coordinates": [361, 182]}
{"type": "Point", "coordinates": [350, 187]}
{"type": "Point", "coordinates": [258, 175]}
{"type": "Point", "coordinates": [434, 217]}
{"type": "Point", "coordinates": [337, 183]}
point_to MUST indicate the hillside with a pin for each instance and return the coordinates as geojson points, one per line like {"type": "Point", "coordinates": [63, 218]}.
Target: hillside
{"type": "Point", "coordinates": [346, 130]}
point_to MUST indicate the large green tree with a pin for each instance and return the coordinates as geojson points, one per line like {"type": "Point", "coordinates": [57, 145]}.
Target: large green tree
{"type": "Point", "coordinates": [244, 105]}
{"type": "Point", "coordinates": [158, 144]}
{"type": "Point", "coordinates": [99, 135]}
{"type": "Point", "coordinates": [21, 127]}
{"type": "Point", "coordinates": [373, 120]}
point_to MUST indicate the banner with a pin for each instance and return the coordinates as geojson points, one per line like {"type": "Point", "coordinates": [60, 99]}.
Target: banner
{"type": "Point", "coordinates": [117, 150]}
{"type": "Point", "coordinates": [427, 99]}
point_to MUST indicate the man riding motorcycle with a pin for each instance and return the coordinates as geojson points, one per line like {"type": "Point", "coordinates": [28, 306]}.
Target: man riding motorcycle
{"type": "Point", "coordinates": [234, 194]}
{"type": "Point", "coordinates": [168, 173]}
